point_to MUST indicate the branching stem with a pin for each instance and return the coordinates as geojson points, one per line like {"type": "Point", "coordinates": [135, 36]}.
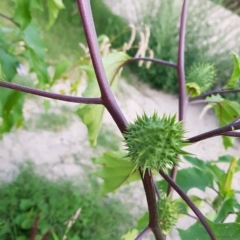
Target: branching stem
{"type": "Point", "coordinates": [189, 203]}
{"type": "Point", "coordinates": [91, 36]}
{"type": "Point", "coordinates": [56, 96]}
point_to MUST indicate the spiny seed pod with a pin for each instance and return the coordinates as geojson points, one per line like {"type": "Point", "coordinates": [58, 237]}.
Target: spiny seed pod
{"type": "Point", "coordinates": [153, 142]}
{"type": "Point", "coordinates": [168, 213]}
{"type": "Point", "coordinates": [200, 78]}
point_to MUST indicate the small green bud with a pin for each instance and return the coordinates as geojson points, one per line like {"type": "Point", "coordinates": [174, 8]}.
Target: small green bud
{"type": "Point", "coordinates": [200, 78]}
{"type": "Point", "coordinates": [154, 143]}
{"type": "Point", "coordinates": [168, 212]}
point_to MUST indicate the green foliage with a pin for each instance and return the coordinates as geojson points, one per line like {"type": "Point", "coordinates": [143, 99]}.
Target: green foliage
{"type": "Point", "coordinates": [222, 231]}
{"type": "Point", "coordinates": [200, 78]}
{"type": "Point", "coordinates": [234, 80]}
{"type": "Point", "coordinates": [11, 105]}
{"type": "Point", "coordinates": [153, 142]}
{"type": "Point", "coordinates": [54, 6]}
{"type": "Point", "coordinates": [226, 112]}
{"type": "Point", "coordinates": [117, 170]}
{"type": "Point", "coordinates": [131, 234]}
{"type": "Point", "coordinates": [30, 196]}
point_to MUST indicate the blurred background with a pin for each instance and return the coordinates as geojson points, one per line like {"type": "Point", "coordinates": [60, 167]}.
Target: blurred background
{"type": "Point", "coordinates": [52, 141]}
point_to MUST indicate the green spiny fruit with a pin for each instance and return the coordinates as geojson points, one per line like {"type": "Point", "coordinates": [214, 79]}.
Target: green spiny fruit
{"type": "Point", "coordinates": [168, 212]}
{"type": "Point", "coordinates": [200, 78]}
{"type": "Point", "coordinates": [153, 142]}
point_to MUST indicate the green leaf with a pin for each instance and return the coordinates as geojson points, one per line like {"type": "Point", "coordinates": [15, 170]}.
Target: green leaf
{"type": "Point", "coordinates": [37, 4]}
{"type": "Point", "coordinates": [194, 178]}
{"type": "Point", "coordinates": [222, 231]}
{"type": "Point", "coordinates": [227, 185]}
{"type": "Point", "coordinates": [91, 115]}
{"type": "Point", "coordinates": [60, 69]}
{"type": "Point", "coordinates": [55, 237]}
{"type": "Point", "coordinates": [22, 13]}
{"type": "Point", "coordinates": [226, 111]}
{"type": "Point", "coordinates": [11, 104]}
{"type": "Point", "coordinates": [27, 223]}
{"type": "Point", "coordinates": [116, 171]}
{"type": "Point", "coordinates": [9, 65]}
{"type": "Point", "coordinates": [35, 53]}
{"type": "Point", "coordinates": [26, 204]}
{"type": "Point", "coordinates": [232, 83]}
{"type": "Point", "coordinates": [54, 6]}
{"type": "Point", "coordinates": [21, 238]}
{"type": "Point", "coordinates": [208, 168]}
{"type": "Point", "coordinates": [130, 235]}
{"type": "Point", "coordinates": [143, 221]}
{"type": "Point", "coordinates": [226, 207]}
{"type": "Point", "coordinates": [199, 176]}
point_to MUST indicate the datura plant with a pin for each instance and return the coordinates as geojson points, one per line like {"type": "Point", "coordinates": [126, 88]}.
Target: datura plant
{"type": "Point", "coordinates": [200, 78]}
{"type": "Point", "coordinates": [154, 142]}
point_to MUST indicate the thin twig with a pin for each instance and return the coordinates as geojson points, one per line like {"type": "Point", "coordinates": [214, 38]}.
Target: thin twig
{"type": "Point", "coordinates": [203, 101]}
{"type": "Point", "coordinates": [219, 91]}
{"type": "Point", "coordinates": [215, 132]}
{"type": "Point", "coordinates": [183, 98]}
{"type": "Point", "coordinates": [154, 60]}
{"type": "Point", "coordinates": [9, 19]}
{"type": "Point", "coordinates": [189, 203]}
{"type": "Point", "coordinates": [56, 96]}
{"type": "Point", "coordinates": [143, 233]}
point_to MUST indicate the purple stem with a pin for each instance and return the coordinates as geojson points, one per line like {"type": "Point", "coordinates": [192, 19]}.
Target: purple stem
{"type": "Point", "coordinates": [143, 233]}
{"type": "Point", "coordinates": [189, 203]}
{"type": "Point", "coordinates": [231, 134]}
{"type": "Point", "coordinates": [180, 64]}
{"type": "Point", "coordinates": [219, 91]}
{"type": "Point", "coordinates": [183, 99]}
{"type": "Point", "coordinates": [91, 36]}
{"type": "Point", "coordinates": [56, 96]}
{"type": "Point", "coordinates": [148, 184]}
{"type": "Point", "coordinates": [154, 60]}
{"type": "Point", "coordinates": [9, 19]}
{"type": "Point", "coordinates": [215, 132]}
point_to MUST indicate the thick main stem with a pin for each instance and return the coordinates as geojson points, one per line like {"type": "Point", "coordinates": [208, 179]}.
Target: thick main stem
{"type": "Point", "coordinates": [181, 77]}
{"type": "Point", "coordinates": [148, 184]}
{"type": "Point", "coordinates": [91, 36]}
{"type": "Point", "coordinates": [112, 106]}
